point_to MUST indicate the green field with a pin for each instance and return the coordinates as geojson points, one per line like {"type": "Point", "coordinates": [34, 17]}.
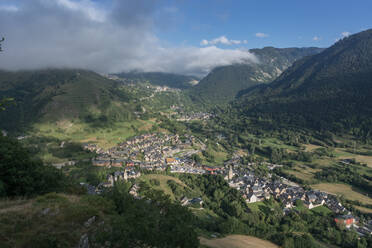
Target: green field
{"type": "Point", "coordinates": [163, 179]}
{"type": "Point", "coordinates": [343, 189]}
{"type": "Point", "coordinates": [322, 210]}
{"type": "Point", "coordinates": [237, 241]}
{"type": "Point", "coordinates": [49, 136]}
{"type": "Point", "coordinates": [81, 132]}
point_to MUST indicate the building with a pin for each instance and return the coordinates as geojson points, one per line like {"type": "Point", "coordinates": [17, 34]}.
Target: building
{"type": "Point", "coordinates": [231, 174]}
{"type": "Point", "coordinates": [211, 170]}
{"type": "Point", "coordinates": [346, 220]}
{"type": "Point", "coordinates": [170, 161]}
{"type": "Point", "coordinates": [251, 198]}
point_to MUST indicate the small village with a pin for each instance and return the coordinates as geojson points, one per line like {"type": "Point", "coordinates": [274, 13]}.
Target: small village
{"type": "Point", "coordinates": [160, 152]}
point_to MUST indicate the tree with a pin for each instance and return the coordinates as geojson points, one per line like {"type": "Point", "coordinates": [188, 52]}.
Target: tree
{"type": "Point", "coordinates": [0, 44]}
{"type": "Point", "coordinates": [22, 175]}
{"type": "Point", "coordinates": [153, 221]}
{"type": "Point", "coordinates": [196, 158]}
{"type": "Point", "coordinates": [4, 102]}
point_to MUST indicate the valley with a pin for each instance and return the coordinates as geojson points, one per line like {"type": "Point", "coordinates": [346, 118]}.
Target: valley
{"type": "Point", "coordinates": [273, 154]}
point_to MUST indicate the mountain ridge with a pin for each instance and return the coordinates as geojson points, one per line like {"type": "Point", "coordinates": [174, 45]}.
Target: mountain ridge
{"type": "Point", "coordinates": [55, 94]}
{"type": "Point", "coordinates": [329, 90]}
{"type": "Point", "coordinates": [223, 83]}
{"type": "Point", "coordinates": [172, 80]}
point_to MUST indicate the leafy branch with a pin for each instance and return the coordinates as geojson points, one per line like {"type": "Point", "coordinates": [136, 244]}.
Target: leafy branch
{"type": "Point", "coordinates": [6, 102]}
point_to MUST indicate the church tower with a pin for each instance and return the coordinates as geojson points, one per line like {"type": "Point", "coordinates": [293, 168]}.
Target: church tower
{"type": "Point", "coordinates": [231, 174]}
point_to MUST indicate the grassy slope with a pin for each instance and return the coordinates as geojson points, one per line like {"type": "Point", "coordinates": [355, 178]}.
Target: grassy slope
{"type": "Point", "coordinates": [27, 223]}
{"type": "Point", "coordinates": [51, 95]}
{"type": "Point", "coordinates": [343, 189]}
{"type": "Point", "coordinates": [163, 183]}
{"type": "Point", "coordinates": [237, 241]}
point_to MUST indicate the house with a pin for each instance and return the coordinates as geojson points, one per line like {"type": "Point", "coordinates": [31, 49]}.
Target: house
{"type": "Point", "coordinates": [130, 164]}
{"type": "Point", "coordinates": [117, 163]}
{"type": "Point", "coordinates": [184, 201]}
{"type": "Point", "coordinates": [288, 204]}
{"type": "Point", "coordinates": [101, 163]}
{"type": "Point", "coordinates": [311, 197]}
{"type": "Point", "coordinates": [257, 189]}
{"type": "Point", "coordinates": [91, 190]}
{"type": "Point", "coordinates": [314, 204]}
{"type": "Point", "coordinates": [347, 161]}
{"type": "Point", "coordinates": [210, 170]}
{"type": "Point", "coordinates": [251, 198]}
{"type": "Point", "coordinates": [267, 195]}
{"type": "Point", "coordinates": [346, 220]}
{"type": "Point", "coordinates": [197, 201]}
{"type": "Point", "coordinates": [170, 161]}
{"type": "Point", "coordinates": [134, 191]}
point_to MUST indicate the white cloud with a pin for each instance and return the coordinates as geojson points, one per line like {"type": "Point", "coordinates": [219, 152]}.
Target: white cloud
{"type": "Point", "coordinates": [85, 7]}
{"type": "Point", "coordinates": [261, 35]}
{"type": "Point", "coordinates": [316, 38]}
{"type": "Point", "coordinates": [197, 61]}
{"type": "Point", "coordinates": [223, 40]}
{"type": "Point", "coordinates": [121, 37]}
{"type": "Point", "coordinates": [345, 34]}
{"type": "Point", "coordinates": [9, 8]}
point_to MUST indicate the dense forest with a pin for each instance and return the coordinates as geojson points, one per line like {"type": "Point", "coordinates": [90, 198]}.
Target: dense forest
{"type": "Point", "coordinates": [329, 91]}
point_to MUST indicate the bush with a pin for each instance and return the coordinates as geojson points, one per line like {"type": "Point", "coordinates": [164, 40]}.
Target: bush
{"type": "Point", "coordinates": [51, 198]}
{"type": "Point", "coordinates": [154, 182]}
{"type": "Point", "coordinates": [22, 175]}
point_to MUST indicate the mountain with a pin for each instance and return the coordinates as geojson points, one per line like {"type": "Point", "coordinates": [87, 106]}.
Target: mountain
{"type": "Point", "coordinates": [331, 90]}
{"type": "Point", "coordinates": [160, 78]}
{"type": "Point", "coordinates": [52, 95]}
{"type": "Point", "coordinates": [223, 83]}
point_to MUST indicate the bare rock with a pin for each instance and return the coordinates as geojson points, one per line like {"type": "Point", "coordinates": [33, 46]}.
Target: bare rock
{"type": "Point", "coordinates": [84, 241]}
{"type": "Point", "coordinates": [90, 221]}
{"type": "Point", "coordinates": [45, 211]}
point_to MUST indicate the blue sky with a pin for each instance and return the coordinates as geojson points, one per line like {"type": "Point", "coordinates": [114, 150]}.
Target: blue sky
{"type": "Point", "coordinates": [179, 36]}
{"type": "Point", "coordinates": [288, 22]}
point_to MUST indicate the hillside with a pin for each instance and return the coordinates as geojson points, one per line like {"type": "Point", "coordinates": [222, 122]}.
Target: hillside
{"type": "Point", "coordinates": [327, 91]}
{"type": "Point", "coordinates": [159, 78]}
{"type": "Point", "coordinates": [65, 220]}
{"type": "Point", "coordinates": [237, 241]}
{"type": "Point", "coordinates": [223, 83]}
{"type": "Point", "coordinates": [52, 95]}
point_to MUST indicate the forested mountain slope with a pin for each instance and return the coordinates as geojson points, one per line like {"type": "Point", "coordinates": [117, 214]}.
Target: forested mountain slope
{"type": "Point", "coordinates": [58, 94]}
{"type": "Point", "coordinates": [328, 91]}
{"type": "Point", "coordinates": [223, 83]}
{"type": "Point", "coordinates": [160, 78]}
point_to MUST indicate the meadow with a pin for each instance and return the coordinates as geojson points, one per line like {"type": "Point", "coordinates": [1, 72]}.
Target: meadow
{"type": "Point", "coordinates": [237, 241]}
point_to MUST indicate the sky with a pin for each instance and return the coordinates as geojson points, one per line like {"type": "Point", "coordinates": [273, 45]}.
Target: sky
{"type": "Point", "coordinates": [178, 36]}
